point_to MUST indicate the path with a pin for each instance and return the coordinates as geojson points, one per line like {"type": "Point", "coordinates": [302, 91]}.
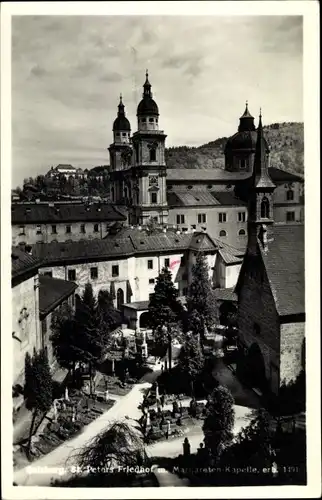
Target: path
{"type": "Point", "coordinates": [52, 465]}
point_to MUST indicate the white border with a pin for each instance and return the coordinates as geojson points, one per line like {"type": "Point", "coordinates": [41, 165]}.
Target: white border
{"type": "Point", "coordinates": [310, 11]}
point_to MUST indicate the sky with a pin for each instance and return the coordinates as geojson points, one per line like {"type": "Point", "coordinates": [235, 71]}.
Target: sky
{"type": "Point", "coordinates": [68, 73]}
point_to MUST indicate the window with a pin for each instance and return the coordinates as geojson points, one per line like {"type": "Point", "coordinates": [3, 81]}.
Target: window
{"type": "Point", "coordinates": [257, 329]}
{"type": "Point", "coordinates": [222, 217]}
{"type": "Point", "coordinates": [150, 264]}
{"type": "Point", "coordinates": [265, 208]}
{"type": "Point", "coordinates": [167, 262]}
{"type": "Point", "coordinates": [209, 186]}
{"type": "Point", "coordinates": [115, 271]}
{"type": "Point", "coordinates": [82, 228]}
{"type": "Point", "coordinates": [151, 296]}
{"type": "Point", "coordinates": [153, 154]}
{"type": "Point", "coordinates": [151, 120]}
{"type": "Point", "coordinates": [38, 229]}
{"type": "Point", "coordinates": [72, 275]}
{"type": "Point", "coordinates": [22, 230]}
{"type": "Point", "coordinates": [113, 194]}
{"type": "Point", "coordinates": [183, 261]}
{"type": "Point", "coordinates": [123, 134]}
{"type": "Point", "coordinates": [154, 197]}
{"type": "Point", "coordinates": [68, 229]}
{"type": "Point", "coordinates": [242, 232]}
{"type": "Point", "coordinates": [189, 187]}
{"type": "Point", "coordinates": [290, 216]}
{"type": "Point", "coordinates": [290, 195]}
{"type": "Point", "coordinates": [243, 163]}
{"type": "Point", "coordinates": [151, 281]}
{"type": "Point", "coordinates": [241, 216]}
{"type": "Point", "coordinates": [180, 219]}
{"type": "Point", "coordinates": [202, 218]}
{"type": "Point", "coordinates": [143, 120]}
{"type": "Point", "coordinates": [54, 229]}
{"type": "Point", "coordinates": [94, 273]}
{"type": "Point", "coordinates": [48, 273]}
{"type": "Point", "coordinates": [95, 228]}
{"type": "Point", "coordinates": [222, 233]}
{"type": "Point", "coordinates": [117, 134]}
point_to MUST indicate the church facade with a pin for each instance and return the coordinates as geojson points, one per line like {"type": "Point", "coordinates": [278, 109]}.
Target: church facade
{"type": "Point", "coordinates": [210, 200]}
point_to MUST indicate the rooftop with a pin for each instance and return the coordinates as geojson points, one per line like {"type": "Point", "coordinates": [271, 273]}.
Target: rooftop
{"type": "Point", "coordinates": [22, 263]}
{"type": "Point", "coordinates": [219, 175]}
{"type": "Point", "coordinates": [52, 292]}
{"type": "Point", "coordinates": [284, 263]}
{"type": "Point", "coordinates": [31, 213]}
{"type": "Point", "coordinates": [225, 294]}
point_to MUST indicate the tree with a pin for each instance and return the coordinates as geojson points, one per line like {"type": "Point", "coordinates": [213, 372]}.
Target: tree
{"type": "Point", "coordinates": [164, 309]}
{"type": "Point", "coordinates": [38, 387]}
{"type": "Point", "coordinates": [90, 335]}
{"type": "Point", "coordinates": [200, 297]}
{"type": "Point", "coordinates": [191, 360]}
{"type": "Point", "coordinates": [119, 446]}
{"type": "Point", "coordinates": [219, 422]}
{"type": "Point", "coordinates": [109, 317]}
{"type": "Point", "coordinates": [64, 338]}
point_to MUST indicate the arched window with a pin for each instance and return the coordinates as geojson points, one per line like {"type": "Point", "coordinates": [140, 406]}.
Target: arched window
{"type": "Point", "coordinates": [290, 195]}
{"type": "Point", "coordinates": [119, 299]}
{"type": "Point", "coordinates": [242, 232]}
{"type": "Point", "coordinates": [265, 208]}
{"type": "Point", "coordinates": [151, 120]}
{"type": "Point", "coordinates": [153, 154]}
{"type": "Point", "coordinates": [222, 233]}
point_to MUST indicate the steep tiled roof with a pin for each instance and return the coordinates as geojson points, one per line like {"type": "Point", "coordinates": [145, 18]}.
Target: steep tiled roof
{"type": "Point", "coordinates": [52, 292]}
{"type": "Point", "coordinates": [22, 262]}
{"type": "Point", "coordinates": [44, 213]}
{"type": "Point", "coordinates": [284, 263]}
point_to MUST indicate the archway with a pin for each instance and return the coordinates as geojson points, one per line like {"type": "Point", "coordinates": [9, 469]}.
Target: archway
{"type": "Point", "coordinates": [255, 367]}
{"type": "Point", "coordinates": [119, 299]}
{"type": "Point", "coordinates": [144, 320]}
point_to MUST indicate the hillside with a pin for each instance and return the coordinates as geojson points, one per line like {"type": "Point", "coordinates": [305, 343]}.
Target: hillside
{"type": "Point", "coordinates": [286, 141]}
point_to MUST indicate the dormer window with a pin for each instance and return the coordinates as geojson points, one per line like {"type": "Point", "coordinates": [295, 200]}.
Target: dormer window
{"type": "Point", "coordinates": [151, 120]}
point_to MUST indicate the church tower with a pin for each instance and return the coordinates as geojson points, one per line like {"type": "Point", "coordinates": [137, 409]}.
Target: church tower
{"type": "Point", "coordinates": [149, 200]}
{"type": "Point", "coordinates": [260, 212]}
{"type": "Point", "coordinates": [240, 148]}
{"type": "Point", "coordinates": [120, 157]}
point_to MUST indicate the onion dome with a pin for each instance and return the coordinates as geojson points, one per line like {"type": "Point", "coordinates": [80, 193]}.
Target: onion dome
{"type": "Point", "coordinates": [246, 137]}
{"type": "Point", "coordinates": [147, 107]}
{"type": "Point", "coordinates": [121, 122]}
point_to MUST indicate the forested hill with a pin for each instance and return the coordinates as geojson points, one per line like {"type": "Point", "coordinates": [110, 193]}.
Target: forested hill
{"type": "Point", "coordinates": [286, 142]}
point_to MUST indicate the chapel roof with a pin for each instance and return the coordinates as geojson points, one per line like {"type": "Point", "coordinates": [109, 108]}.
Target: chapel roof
{"type": "Point", "coordinates": [52, 292]}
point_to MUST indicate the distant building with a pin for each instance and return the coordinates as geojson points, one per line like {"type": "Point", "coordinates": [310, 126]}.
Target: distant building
{"type": "Point", "coordinates": [270, 288]}
{"type": "Point", "coordinates": [34, 298]}
{"type": "Point", "coordinates": [213, 200]}
{"type": "Point", "coordinates": [57, 222]}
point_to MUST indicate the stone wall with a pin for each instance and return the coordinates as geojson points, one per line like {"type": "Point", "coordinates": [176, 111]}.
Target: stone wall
{"type": "Point", "coordinates": [25, 324]}
{"type": "Point", "coordinates": [292, 338]}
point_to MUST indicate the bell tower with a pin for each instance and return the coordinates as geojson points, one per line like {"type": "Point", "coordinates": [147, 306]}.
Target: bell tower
{"type": "Point", "coordinates": [120, 157]}
{"type": "Point", "coordinates": [260, 212]}
{"type": "Point", "coordinates": [149, 199]}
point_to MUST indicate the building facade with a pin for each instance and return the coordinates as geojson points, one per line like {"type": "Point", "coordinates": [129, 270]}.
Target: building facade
{"type": "Point", "coordinates": [58, 222]}
{"type": "Point", "coordinates": [192, 199]}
